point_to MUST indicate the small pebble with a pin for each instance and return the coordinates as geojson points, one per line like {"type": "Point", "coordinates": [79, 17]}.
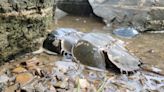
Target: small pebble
{"type": "Point", "coordinates": [84, 83]}
{"type": "Point", "coordinates": [24, 78]}
{"type": "Point", "coordinates": [61, 84]}
{"type": "Point", "coordinates": [4, 78]}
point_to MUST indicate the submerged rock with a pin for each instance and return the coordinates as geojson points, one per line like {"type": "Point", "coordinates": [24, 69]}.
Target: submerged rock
{"type": "Point", "coordinates": [126, 32]}
{"type": "Point", "coordinates": [59, 14]}
{"type": "Point", "coordinates": [77, 7]}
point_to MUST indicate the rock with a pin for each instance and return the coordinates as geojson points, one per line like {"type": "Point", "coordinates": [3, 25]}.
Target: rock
{"type": "Point", "coordinates": [30, 87]}
{"type": "Point", "coordinates": [53, 81]}
{"type": "Point", "coordinates": [40, 87]}
{"type": "Point", "coordinates": [61, 84]}
{"type": "Point", "coordinates": [71, 84]}
{"type": "Point", "coordinates": [59, 14]}
{"type": "Point", "coordinates": [1, 87]}
{"type": "Point", "coordinates": [4, 78]}
{"type": "Point", "coordinates": [84, 83]}
{"type": "Point", "coordinates": [77, 7]}
{"type": "Point", "coordinates": [125, 32]}
{"type": "Point", "coordinates": [52, 89]}
{"type": "Point", "coordinates": [23, 24]}
{"type": "Point", "coordinates": [33, 62]}
{"type": "Point", "coordinates": [24, 78]}
{"type": "Point", "coordinates": [8, 73]}
{"type": "Point", "coordinates": [141, 14]}
{"type": "Point", "coordinates": [12, 88]}
{"type": "Point", "coordinates": [19, 70]}
{"type": "Point", "coordinates": [64, 66]}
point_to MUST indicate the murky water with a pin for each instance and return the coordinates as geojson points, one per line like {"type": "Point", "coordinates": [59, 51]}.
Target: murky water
{"type": "Point", "coordinates": [85, 23]}
{"type": "Point", "coordinates": [149, 47]}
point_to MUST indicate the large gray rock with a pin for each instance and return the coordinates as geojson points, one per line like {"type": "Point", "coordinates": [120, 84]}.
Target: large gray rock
{"type": "Point", "coordinates": [77, 7]}
{"type": "Point", "coordinates": [142, 14]}
{"type": "Point", "coordinates": [22, 24]}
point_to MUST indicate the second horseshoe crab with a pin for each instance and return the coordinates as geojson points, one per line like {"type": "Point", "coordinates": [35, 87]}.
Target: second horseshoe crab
{"type": "Point", "coordinates": [101, 50]}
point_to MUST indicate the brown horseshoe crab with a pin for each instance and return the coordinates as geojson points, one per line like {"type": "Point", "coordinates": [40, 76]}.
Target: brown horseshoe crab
{"type": "Point", "coordinates": [61, 40]}
{"type": "Point", "coordinates": [101, 50]}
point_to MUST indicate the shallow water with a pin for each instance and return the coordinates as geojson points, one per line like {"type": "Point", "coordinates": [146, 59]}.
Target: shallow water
{"type": "Point", "coordinates": [146, 46]}
{"type": "Point", "coordinates": [149, 47]}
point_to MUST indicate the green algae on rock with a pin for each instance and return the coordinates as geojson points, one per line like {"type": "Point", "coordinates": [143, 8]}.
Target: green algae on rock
{"type": "Point", "coordinates": [22, 28]}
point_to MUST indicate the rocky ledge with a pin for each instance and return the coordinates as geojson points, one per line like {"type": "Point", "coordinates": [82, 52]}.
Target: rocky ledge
{"type": "Point", "coordinates": [142, 14]}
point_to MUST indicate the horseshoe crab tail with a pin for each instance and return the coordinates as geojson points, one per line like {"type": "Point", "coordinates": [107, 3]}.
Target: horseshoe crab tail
{"type": "Point", "coordinates": [152, 70]}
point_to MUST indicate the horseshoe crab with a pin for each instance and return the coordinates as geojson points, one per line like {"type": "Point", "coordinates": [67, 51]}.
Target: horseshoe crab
{"type": "Point", "coordinates": [103, 51]}
{"type": "Point", "coordinates": [61, 40]}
